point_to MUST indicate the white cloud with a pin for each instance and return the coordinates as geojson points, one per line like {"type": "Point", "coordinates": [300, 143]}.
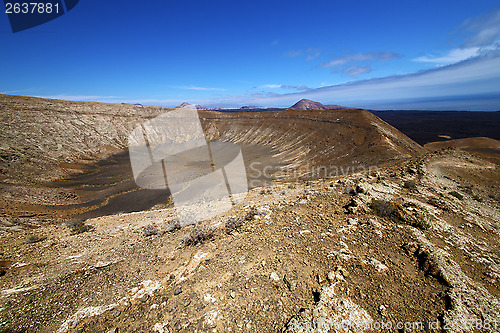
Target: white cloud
{"type": "Point", "coordinates": [294, 53]}
{"type": "Point", "coordinates": [481, 36]}
{"type": "Point", "coordinates": [271, 86]}
{"type": "Point", "coordinates": [201, 88]}
{"type": "Point", "coordinates": [284, 86]}
{"type": "Point", "coordinates": [483, 30]}
{"type": "Point", "coordinates": [297, 88]}
{"type": "Point", "coordinates": [310, 53]}
{"type": "Point", "coordinates": [453, 56]}
{"type": "Point", "coordinates": [356, 70]}
{"type": "Point", "coordinates": [357, 57]}
{"type": "Point", "coordinates": [479, 76]}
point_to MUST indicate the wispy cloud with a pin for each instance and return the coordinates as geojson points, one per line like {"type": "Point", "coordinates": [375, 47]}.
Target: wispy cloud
{"type": "Point", "coordinates": [284, 86]}
{"type": "Point", "coordinates": [200, 88]}
{"type": "Point", "coordinates": [10, 92]}
{"type": "Point", "coordinates": [470, 84]}
{"type": "Point", "coordinates": [271, 86]}
{"type": "Point", "coordinates": [356, 70]}
{"type": "Point", "coordinates": [482, 35]}
{"type": "Point", "coordinates": [294, 53]}
{"type": "Point", "coordinates": [310, 53]}
{"type": "Point", "coordinates": [451, 57]}
{"type": "Point", "coordinates": [357, 57]}
{"type": "Point", "coordinates": [481, 31]}
{"type": "Point", "coordinates": [297, 88]}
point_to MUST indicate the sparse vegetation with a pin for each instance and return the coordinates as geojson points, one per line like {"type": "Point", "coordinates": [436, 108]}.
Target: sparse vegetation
{"type": "Point", "coordinates": [35, 239]}
{"type": "Point", "coordinates": [251, 214]}
{"type": "Point", "coordinates": [78, 227]}
{"type": "Point", "coordinates": [198, 235]}
{"type": "Point", "coordinates": [171, 227]}
{"type": "Point", "coordinates": [410, 184]}
{"type": "Point", "coordinates": [149, 230]}
{"type": "Point", "coordinates": [382, 208]}
{"type": "Point", "coordinates": [421, 221]}
{"type": "Point", "coordinates": [417, 217]}
{"type": "Point", "coordinates": [233, 223]}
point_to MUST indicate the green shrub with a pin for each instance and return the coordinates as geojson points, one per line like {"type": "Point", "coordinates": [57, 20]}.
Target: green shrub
{"type": "Point", "coordinates": [421, 221]}
{"type": "Point", "coordinates": [78, 227]}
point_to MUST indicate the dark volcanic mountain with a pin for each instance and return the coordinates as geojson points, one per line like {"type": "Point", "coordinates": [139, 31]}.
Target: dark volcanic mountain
{"type": "Point", "coordinates": [307, 104]}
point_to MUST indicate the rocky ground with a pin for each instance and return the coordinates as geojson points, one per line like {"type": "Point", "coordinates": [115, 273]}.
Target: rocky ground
{"type": "Point", "coordinates": [413, 245]}
{"type": "Point", "coordinates": [355, 227]}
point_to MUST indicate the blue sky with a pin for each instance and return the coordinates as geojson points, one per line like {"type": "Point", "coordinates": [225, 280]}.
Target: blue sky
{"type": "Point", "coordinates": [370, 54]}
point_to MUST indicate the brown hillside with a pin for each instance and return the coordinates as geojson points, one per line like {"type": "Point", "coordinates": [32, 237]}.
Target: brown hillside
{"type": "Point", "coordinates": [47, 141]}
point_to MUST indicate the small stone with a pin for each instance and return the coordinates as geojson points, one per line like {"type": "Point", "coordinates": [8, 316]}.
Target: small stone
{"type": "Point", "coordinates": [177, 290]}
{"type": "Point", "coordinates": [274, 276]}
{"type": "Point", "coordinates": [102, 264]}
{"type": "Point", "coordinates": [116, 313]}
{"type": "Point", "coordinates": [352, 221]}
{"type": "Point", "coordinates": [339, 273]}
{"type": "Point", "coordinates": [380, 267]}
{"type": "Point", "coordinates": [360, 189]}
{"type": "Point", "coordinates": [232, 294]}
{"type": "Point", "coordinates": [382, 309]}
{"type": "Point", "coordinates": [411, 248]}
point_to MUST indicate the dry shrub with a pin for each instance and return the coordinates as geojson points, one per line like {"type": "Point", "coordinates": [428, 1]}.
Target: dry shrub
{"type": "Point", "coordinates": [198, 235]}
{"type": "Point", "coordinates": [233, 223]}
{"type": "Point", "coordinates": [78, 227]}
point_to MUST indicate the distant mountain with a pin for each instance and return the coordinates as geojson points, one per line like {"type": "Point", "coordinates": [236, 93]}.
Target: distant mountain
{"type": "Point", "coordinates": [307, 104]}
{"type": "Point", "coordinates": [186, 104]}
{"type": "Point", "coordinates": [183, 105]}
